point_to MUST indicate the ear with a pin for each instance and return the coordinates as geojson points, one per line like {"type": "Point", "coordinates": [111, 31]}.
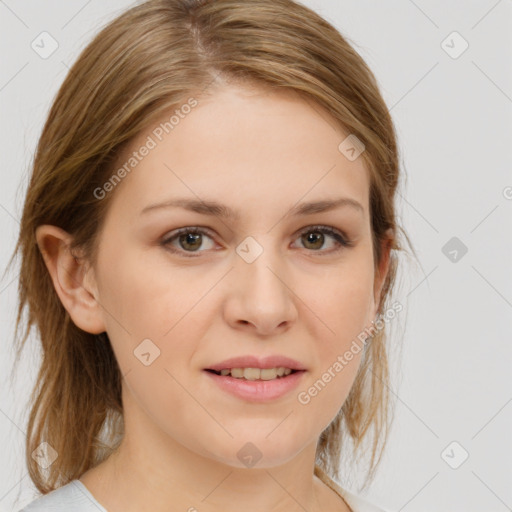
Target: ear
{"type": "Point", "coordinates": [73, 281]}
{"type": "Point", "coordinates": [383, 268]}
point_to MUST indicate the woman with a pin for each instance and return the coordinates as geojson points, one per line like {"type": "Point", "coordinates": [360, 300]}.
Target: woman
{"type": "Point", "coordinates": [208, 249]}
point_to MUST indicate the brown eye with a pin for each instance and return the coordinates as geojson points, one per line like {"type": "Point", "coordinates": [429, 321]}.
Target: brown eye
{"type": "Point", "coordinates": [314, 237]}
{"type": "Point", "coordinates": [189, 240]}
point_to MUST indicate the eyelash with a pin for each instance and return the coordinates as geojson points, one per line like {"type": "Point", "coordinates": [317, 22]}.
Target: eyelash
{"type": "Point", "coordinates": [341, 239]}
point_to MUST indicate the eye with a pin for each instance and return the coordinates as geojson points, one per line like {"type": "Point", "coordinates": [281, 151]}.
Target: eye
{"type": "Point", "coordinates": [314, 236]}
{"type": "Point", "coordinates": [189, 239]}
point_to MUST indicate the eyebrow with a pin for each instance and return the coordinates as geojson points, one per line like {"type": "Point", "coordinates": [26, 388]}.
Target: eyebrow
{"type": "Point", "coordinates": [210, 207]}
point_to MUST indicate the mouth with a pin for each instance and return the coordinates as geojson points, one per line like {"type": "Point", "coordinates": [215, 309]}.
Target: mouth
{"type": "Point", "coordinates": [257, 385]}
{"type": "Point", "coordinates": [254, 378]}
{"type": "Point", "coordinates": [263, 374]}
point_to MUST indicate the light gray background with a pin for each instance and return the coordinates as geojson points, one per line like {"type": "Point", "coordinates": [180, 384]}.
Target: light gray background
{"type": "Point", "coordinates": [454, 121]}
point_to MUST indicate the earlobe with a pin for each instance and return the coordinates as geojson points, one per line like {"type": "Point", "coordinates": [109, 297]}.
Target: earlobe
{"type": "Point", "coordinates": [69, 274]}
{"type": "Point", "coordinates": [383, 268]}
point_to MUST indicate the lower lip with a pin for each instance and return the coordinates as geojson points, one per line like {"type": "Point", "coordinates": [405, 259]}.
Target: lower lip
{"type": "Point", "coordinates": [257, 390]}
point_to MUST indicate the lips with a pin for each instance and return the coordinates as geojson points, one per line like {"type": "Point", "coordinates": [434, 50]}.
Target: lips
{"type": "Point", "coordinates": [255, 373]}
{"type": "Point", "coordinates": [257, 390]}
{"type": "Point", "coordinates": [249, 361]}
{"type": "Point", "coordinates": [257, 379]}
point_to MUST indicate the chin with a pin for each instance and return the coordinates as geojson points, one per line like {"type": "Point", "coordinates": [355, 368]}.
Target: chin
{"type": "Point", "coordinates": [256, 450]}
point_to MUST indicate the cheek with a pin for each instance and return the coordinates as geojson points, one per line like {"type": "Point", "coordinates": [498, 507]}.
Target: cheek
{"type": "Point", "coordinates": [342, 302]}
{"type": "Point", "coordinates": [158, 396]}
{"type": "Point", "coordinates": [341, 314]}
{"type": "Point", "coordinates": [148, 299]}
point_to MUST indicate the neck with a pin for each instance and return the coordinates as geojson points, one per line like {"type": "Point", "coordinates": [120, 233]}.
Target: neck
{"type": "Point", "coordinates": [183, 480]}
{"type": "Point", "coordinates": [152, 471]}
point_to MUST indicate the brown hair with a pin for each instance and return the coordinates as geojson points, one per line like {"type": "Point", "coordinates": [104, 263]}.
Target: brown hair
{"type": "Point", "coordinates": [147, 61]}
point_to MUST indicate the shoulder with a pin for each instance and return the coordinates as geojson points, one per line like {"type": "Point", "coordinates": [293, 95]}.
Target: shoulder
{"type": "Point", "coordinates": [72, 497]}
{"type": "Point", "coordinates": [355, 502]}
{"type": "Point", "coordinates": [358, 504]}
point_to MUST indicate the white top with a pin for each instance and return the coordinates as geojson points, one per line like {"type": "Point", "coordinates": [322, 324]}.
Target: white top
{"type": "Point", "coordinates": [72, 497]}
{"type": "Point", "coordinates": [75, 497]}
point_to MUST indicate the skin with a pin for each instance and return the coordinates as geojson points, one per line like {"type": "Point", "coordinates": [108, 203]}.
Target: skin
{"type": "Point", "coordinates": [259, 153]}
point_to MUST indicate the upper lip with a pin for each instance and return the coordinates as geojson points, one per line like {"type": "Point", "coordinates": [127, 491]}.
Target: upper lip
{"type": "Point", "coordinates": [273, 361]}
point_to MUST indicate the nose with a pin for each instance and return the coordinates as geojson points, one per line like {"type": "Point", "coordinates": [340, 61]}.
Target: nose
{"type": "Point", "coordinates": [261, 298]}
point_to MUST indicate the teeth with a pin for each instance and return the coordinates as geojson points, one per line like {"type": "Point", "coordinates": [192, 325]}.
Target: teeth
{"type": "Point", "coordinates": [256, 373]}
{"type": "Point", "coordinates": [252, 373]}
{"type": "Point", "coordinates": [268, 373]}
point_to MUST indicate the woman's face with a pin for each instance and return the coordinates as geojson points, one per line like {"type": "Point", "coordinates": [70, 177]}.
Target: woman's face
{"type": "Point", "coordinates": [262, 282]}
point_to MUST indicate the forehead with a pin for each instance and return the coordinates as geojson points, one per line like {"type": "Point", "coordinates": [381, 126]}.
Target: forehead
{"type": "Point", "coordinates": [242, 146]}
